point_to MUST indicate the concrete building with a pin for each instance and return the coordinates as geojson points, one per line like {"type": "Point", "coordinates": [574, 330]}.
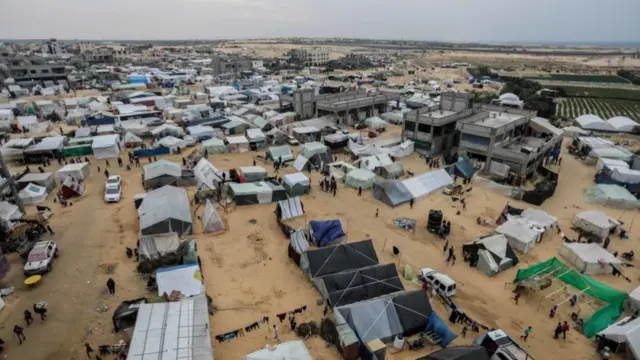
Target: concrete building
{"type": "Point", "coordinates": [434, 131]}
{"type": "Point", "coordinates": [347, 107]}
{"type": "Point", "coordinates": [311, 57]}
{"type": "Point", "coordinates": [230, 64]}
{"type": "Point", "coordinates": [27, 68]}
{"type": "Point", "coordinates": [512, 137]}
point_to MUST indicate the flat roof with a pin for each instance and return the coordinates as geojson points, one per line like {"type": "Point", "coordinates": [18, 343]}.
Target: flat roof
{"type": "Point", "coordinates": [526, 142]}
{"type": "Point", "coordinates": [439, 114]}
{"type": "Point", "coordinates": [497, 119]}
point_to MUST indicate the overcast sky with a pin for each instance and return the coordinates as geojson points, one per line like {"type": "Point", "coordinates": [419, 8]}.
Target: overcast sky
{"type": "Point", "coordinates": [443, 20]}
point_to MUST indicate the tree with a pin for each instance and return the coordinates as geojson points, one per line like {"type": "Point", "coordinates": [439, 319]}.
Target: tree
{"type": "Point", "coordinates": [545, 107]}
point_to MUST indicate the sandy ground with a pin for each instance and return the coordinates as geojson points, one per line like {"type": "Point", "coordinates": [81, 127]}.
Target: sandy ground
{"type": "Point", "coordinates": [248, 273]}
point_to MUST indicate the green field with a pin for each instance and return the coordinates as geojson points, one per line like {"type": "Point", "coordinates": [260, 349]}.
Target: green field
{"type": "Point", "coordinates": [604, 93]}
{"type": "Point", "coordinates": [611, 79]}
{"type": "Point", "coordinates": [571, 108]}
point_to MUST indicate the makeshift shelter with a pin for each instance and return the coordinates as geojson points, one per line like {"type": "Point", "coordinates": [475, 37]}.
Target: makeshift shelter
{"type": "Point", "coordinates": [604, 317]}
{"type": "Point", "coordinates": [373, 162]}
{"type": "Point", "coordinates": [311, 148]}
{"type": "Point", "coordinates": [187, 279]}
{"type": "Point", "coordinates": [623, 337]}
{"type": "Point", "coordinates": [590, 259]}
{"type": "Point", "coordinates": [131, 140]}
{"type": "Point", "coordinates": [425, 184]}
{"type": "Point", "coordinates": [283, 153]}
{"type": "Point", "coordinates": [215, 146]}
{"type": "Point", "coordinates": [595, 223]}
{"type": "Point", "coordinates": [71, 187]}
{"type": "Point", "coordinates": [207, 175]}
{"type": "Point", "coordinates": [360, 179]}
{"type": "Point", "coordinates": [298, 244]}
{"type": "Point", "coordinates": [634, 300]}
{"type": "Point", "coordinates": [152, 247]}
{"type": "Point", "coordinates": [160, 173]}
{"type": "Point", "coordinates": [261, 192]}
{"type": "Point", "coordinates": [342, 257]}
{"type": "Point", "coordinates": [618, 153]}
{"type": "Point", "coordinates": [256, 136]}
{"type": "Point", "coordinates": [48, 145]}
{"type": "Point", "coordinates": [610, 164]}
{"type": "Point", "coordinates": [211, 220]}
{"type": "Point", "coordinates": [539, 217]}
{"type": "Point", "coordinates": [323, 233]}
{"type": "Point", "coordinates": [490, 254]}
{"type": "Point", "coordinates": [622, 124]}
{"type": "Point", "coordinates": [289, 208]}
{"type": "Point", "coordinates": [614, 196]}
{"type": "Point", "coordinates": [126, 314]}
{"type": "Point", "coordinates": [459, 353]}
{"type": "Point", "coordinates": [318, 161]}
{"type": "Point", "coordinates": [165, 210]}
{"type": "Point", "coordinates": [237, 144]}
{"type": "Point", "coordinates": [391, 171]}
{"type": "Point", "coordinates": [106, 146]}
{"type": "Point", "coordinates": [79, 171]}
{"type": "Point", "coordinates": [46, 180]}
{"type": "Point", "coordinates": [176, 330]}
{"type": "Point", "coordinates": [252, 173]}
{"type": "Point", "coordinates": [173, 143]}
{"type": "Point", "coordinates": [136, 127]}
{"type": "Point", "coordinates": [9, 216]}
{"type": "Point", "coordinates": [520, 234]}
{"type": "Point", "coordinates": [167, 130]}
{"type": "Point", "coordinates": [290, 350]}
{"type": "Point", "coordinates": [300, 163]}
{"type": "Point", "coordinates": [200, 132]}
{"type": "Point", "coordinates": [375, 123]}
{"type": "Point", "coordinates": [384, 318]}
{"type": "Point", "coordinates": [391, 192]}
{"type": "Point", "coordinates": [336, 141]}
{"type": "Point", "coordinates": [593, 122]}
{"type": "Point", "coordinates": [351, 286]}
{"type": "Point", "coordinates": [33, 194]}
{"type": "Point", "coordinates": [296, 184]}
{"type": "Point", "coordinates": [464, 168]}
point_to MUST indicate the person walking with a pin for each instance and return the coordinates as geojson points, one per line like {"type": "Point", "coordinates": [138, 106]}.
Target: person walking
{"type": "Point", "coordinates": [411, 203]}
{"type": "Point", "coordinates": [88, 349]}
{"type": "Point", "coordinates": [40, 311]}
{"type": "Point", "coordinates": [517, 297]}
{"type": "Point", "coordinates": [377, 212]}
{"type": "Point", "coordinates": [360, 191]}
{"type": "Point", "coordinates": [19, 331]}
{"type": "Point", "coordinates": [453, 260]}
{"type": "Point", "coordinates": [526, 333]}
{"type": "Point", "coordinates": [50, 230]}
{"type": "Point", "coordinates": [106, 164]}
{"type": "Point", "coordinates": [446, 246]}
{"type": "Point", "coordinates": [28, 318]}
{"type": "Point", "coordinates": [464, 331]}
{"type": "Point", "coordinates": [111, 285]}
{"type": "Point", "coordinates": [565, 328]}
{"type": "Point", "coordinates": [557, 331]}
{"type": "Point", "coordinates": [276, 337]}
{"type": "Point", "coordinates": [106, 173]}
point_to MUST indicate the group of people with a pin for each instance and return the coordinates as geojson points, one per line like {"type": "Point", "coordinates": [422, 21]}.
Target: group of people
{"type": "Point", "coordinates": [432, 162]}
{"type": "Point", "coordinates": [28, 318]}
{"type": "Point", "coordinates": [330, 185]}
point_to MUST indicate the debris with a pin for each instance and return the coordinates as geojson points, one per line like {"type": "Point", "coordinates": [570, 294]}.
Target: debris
{"type": "Point", "coordinates": [7, 291]}
{"type": "Point", "coordinates": [253, 221]}
{"type": "Point", "coordinates": [406, 224]}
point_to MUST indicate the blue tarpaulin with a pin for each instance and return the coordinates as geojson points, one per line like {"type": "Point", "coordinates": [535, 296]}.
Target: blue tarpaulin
{"type": "Point", "coordinates": [325, 232]}
{"type": "Point", "coordinates": [436, 325]}
{"type": "Point", "coordinates": [464, 168]}
{"type": "Point", "coordinates": [102, 120]}
{"type": "Point", "coordinates": [151, 152]}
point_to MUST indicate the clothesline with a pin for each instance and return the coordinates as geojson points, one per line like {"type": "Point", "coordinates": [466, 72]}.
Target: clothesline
{"type": "Point", "coordinates": [256, 325]}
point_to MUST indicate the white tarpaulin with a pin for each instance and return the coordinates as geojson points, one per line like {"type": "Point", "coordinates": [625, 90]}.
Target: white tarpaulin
{"type": "Point", "coordinates": [211, 220]}
{"type": "Point", "coordinates": [184, 278]}
{"type": "Point", "coordinates": [625, 175]}
{"type": "Point", "coordinates": [290, 208]}
{"type": "Point", "coordinates": [106, 146]}
{"type": "Point", "coordinates": [300, 163]}
{"type": "Point", "coordinates": [595, 222]}
{"type": "Point", "coordinates": [590, 259]}
{"type": "Point", "coordinates": [520, 234]}
{"type": "Point", "coordinates": [33, 194]}
{"type": "Point", "coordinates": [610, 163]}
{"type": "Point", "coordinates": [290, 350]}
{"type": "Point", "coordinates": [539, 217]}
{"type": "Point", "coordinates": [424, 184]}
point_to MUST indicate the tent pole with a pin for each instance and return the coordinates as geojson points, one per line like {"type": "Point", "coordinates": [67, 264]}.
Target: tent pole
{"type": "Point", "coordinates": [553, 293]}
{"type": "Point", "coordinates": [569, 298]}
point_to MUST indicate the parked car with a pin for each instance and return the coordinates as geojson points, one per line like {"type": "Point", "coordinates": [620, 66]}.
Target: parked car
{"type": "Point", "coordinates": [292, 141]}
{"type": "Point", "coordinates": [113, 181]}
{"type": "Point", "coordinates": [442, 282]}
{"type": "Point", "coordinates": [41, 258]}
{"type": "Point", "coordinates": [112, 194]}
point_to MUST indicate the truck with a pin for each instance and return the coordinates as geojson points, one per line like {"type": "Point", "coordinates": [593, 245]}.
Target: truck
{"type": "Point", "coordinates": [501, 346]}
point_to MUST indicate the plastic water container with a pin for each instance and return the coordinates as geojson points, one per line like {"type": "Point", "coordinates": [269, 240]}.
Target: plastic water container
{"type": "Point", "coordinates": [398, 342]}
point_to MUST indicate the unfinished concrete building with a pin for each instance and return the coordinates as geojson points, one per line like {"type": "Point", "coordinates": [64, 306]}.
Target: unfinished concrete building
{"type": "Point", "coordinates": [434, 131]}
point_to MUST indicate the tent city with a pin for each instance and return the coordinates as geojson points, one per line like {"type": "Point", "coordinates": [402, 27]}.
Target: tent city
{"type": "Point", "coordinates": [318, 198]}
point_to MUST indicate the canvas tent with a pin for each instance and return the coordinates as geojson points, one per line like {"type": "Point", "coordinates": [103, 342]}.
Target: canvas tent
{"type": "Point", "coordinates": [79, 171]}
{"type": "Point", "coordinates": [187, 279]}
{"type": "Point", "coordinates": [490, 254]}
{"type": "Point", "coordinates": [300, 163]}
{"type": "Point", "coordinates": [614, 196]}
{"type": "Point", "coordinates": [215, 146]}
{"type": "Point", "coordinates": [326, 232]}
{"type": "Point", "coordinates": [360, 178]}
{"type": "Point", "coordinates": [520, 234]}
{"type": "Point", "coordinates": [289, 208]}
{"type": "Point", "coordinates": [459, 353]}
{"type": "Point", "coordinates": [296, 184]}
{"type": "Point", "coordinates": [9, 215]}
{"type": "Point", "coordinates": [165, 210]}
{"type": "Point", "coordinates": [207, 174]}
{"type": "Point", "coordinates": [33, 194]}
{"type": "Point", "coordinates": [334, 259]}
{"type": "Point", "coordinates": [610, 164]}
{"type": "Point", "coordinates": [252, 173]}
{"type": "Point", "coordinates": [425, 184]}
{"type": "Point", "coordinates": [391, 192]}
{"type": "Point", "coordinates": [125, 315]}
{"type": "Point", "coordinates": [131, 140]}
{"type": "Point", "coordinates": [71, 187]}
{"type": "Point", "coordinates": [590, 259]}
{"type": "Point", "coordinates": [237, 144]}
{"type": "Point", "coordinates": [177, 330]}
{"type": "Point", "coordinates": [375, 123]}
{"type": "Point", "coordinates": [46, 180]}
{"type": "Point", "coordinates": [539, 217]}
{"type": "Point", "coordinates": [595, 222]}
{"type": "Point", "coordinates": [106, 146]}
{"type": "Point", "coordinates": [160, 173]}
{"type": "Point", "coordinates": [155, 246]}
{"type": "Point", "coordinates": [312, 148]}
{"type": "Point", "coordinates": [351, 286]}
{"type": "Point", "coordinates": [290, 350]}
{"type": "Point", "coordinates": [623, 336]}
{"type": "Point", "coordinates": [280, 153]}
{"type": "Point", "coordinates": [211, 220]}
{"type": "Point", "coordinates": [384, 318]}
{"type": "Point", "coordinates": [261, 192]}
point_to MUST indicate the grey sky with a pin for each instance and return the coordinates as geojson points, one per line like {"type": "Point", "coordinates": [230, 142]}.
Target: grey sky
{"type": "Point", "coordinates": [445, 20]}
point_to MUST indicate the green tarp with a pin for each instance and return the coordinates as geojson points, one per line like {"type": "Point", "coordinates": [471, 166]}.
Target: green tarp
{"type": "Point", "coordinates": [78, 150]}
{"type": "Point", "coordinates": [603, 317]}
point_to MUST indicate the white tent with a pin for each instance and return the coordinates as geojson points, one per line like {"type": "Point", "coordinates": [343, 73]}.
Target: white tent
{"type": "Point", "coordinates": [237, 144]}
{"type": "Point", "coordinates": [33, 194]}
{"type": "Point", "coordinates": [622, 124]}
{"type": "Point", "coordinates": [614, 196]}
{"type": "Point", "coordinates": [215, 146]}
{"type": "Point", "coordinates": [360, 179]}
{"type": "Point", "coordinates": [593, 122]}
{"type": "Point", "coordinates": [290, 350]}
{"type": "Point", "coordinates": [289, 208]}
{"type": "Point", "coordinates": [106, 146]}
{"type": "Point", "coordinates": [590, 259]}
{"type": "Point", "coordinates": [424, 184]}
{"type": "Point", "coordinates": [132, 140]}
{"type": "Point", "coordinates": [78, 171]}
{"type": "Point", "coordinates": [256, 135]}
{"type": "Point", "coordinates": [539, 217]}
{"type": "Point", "coordinates": [300, 163]}
{"type": "Point", "coordinates": [211, 220]}
{"type": "Point", "coordinates": [634, 300]}
{"type": "Point", "coordinates": [187, 279]}
{"type": "Point", "coordinates": [595, 222]}
{"type": "Point", "coordinates": [625, 332]}
{"type": "Point", "coordinates": [311, 148]}
{"type": "Point", "coordinates": [296, 184]}
{"type": "Point", "coordinates": [207, 174]}
{"type": "Point", "coordinates": [610, 164]}
{"type": "Point", "coordinates": [9, 214]}
{"type": "Point", "coordinates": [616, 152]}
{"type": "Point", "coordinates": [520, 234]}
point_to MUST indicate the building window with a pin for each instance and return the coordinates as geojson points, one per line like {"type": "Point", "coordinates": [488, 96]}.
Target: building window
{"type": "Point", "coordinates": [32, 71]}
{"type": "Point", "coordinates": [410, 125]}
{"type": "Point", "coordinates": [480, 140]}
{"type": "Point", "coordinates": [45, 71]}
{"type": "Point", "coordinates": [424, 128]}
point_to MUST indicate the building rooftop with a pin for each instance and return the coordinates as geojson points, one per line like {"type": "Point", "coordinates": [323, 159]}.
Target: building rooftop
{"type": "Point", "coordinates": [439, 114]}
{"type": "Point", "coordinates": [527, 142]}
{"type": "Point", "coordinates": [498, 119]}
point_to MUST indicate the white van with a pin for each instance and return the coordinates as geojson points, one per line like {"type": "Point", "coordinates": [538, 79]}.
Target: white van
{"type": "Point", "coordinates": [442, 282]}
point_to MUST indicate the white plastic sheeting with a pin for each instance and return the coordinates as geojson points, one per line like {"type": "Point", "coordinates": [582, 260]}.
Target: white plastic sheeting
{"type": "Point", "coordinates": [626, 330]}
{"type": "Point", "coordinates": [610, 163]}
{"type": "Point", "coordinates": [256, 135]}
{"type": "Point", "coordinates": [132, 139]}
{"type": "Point", "coordinates": [290, 208]}
{"type": "Point", "coordinates": [595, 222]}
{"type": "Point", "coordinates": [593, 122]}
{"type": "Point", "coordinates": [574, 131]}
{"type": "Point", "coordinates": [33, 194]}
{"type": "Point", "coordinates": [215, 146]}
{"type": "Point", "coordinates": [106, 146]}
{"type": "Point", "coordinates": [520, 234]}
{"type": "Point", "coordinates": [184, 278]}
{"type": "Point", "coordinates": [622, 124]}
{"type": "Point", "coordinates": [424, 184]}
{"type": "Point", "coordinates": [290, 350]}
{"type": "Point", "coordinates": [590, 259]}
{"type": "Point", "coordinates": [539, 217]}
{"type": "Point", "coordinates": [77, 171]}
{"type": "Point", "coordinates": [614, 196]}
{"type": "Point", "coordinates": [207, 174]}
{"type": "Point", "coordinates": [300, 162]}
{"type": "Point", "coordinates": [211, 220]}
{"type": "Point", "coordinates": [360, 179]}
{"type": "Point", "coordinates": [237, 144]}
{"type": "Point", "coordinates": [625, 175]}
{"type": "Point", "coordinates": [612, 153]}
{"type": "Point", "coordinates": [309, 149]}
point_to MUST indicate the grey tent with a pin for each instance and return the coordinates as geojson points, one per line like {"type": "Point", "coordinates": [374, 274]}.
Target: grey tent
{"type": "Point", "coordinates": [289, 208]}
{"type": "Point", "coordinates": [470, 352]}
{"type": "Point", "coordinates": [160, 173]}
{"type": "Point", "coordinates": [211, 220]}
{"type": "Point", "coordinates": [126, 314]}
{"type": "Point", "coordinates": [46, 180]}
{"type": "Point", "coordinates": [490, 254]}
{"type": "Point", "coordinates": [158, 245]}
{"type": "Point", "coordinates": [298, 244]}
{"type": "Point", "coordinates": [280, 153]}
{"type": "Point", "coordinates": [369, 282]}
{"type": "Point", "coordinates": [166, 210]}
{"type": "Point", "coordinates": [391, 171]}
{"type": "Point", "coordinates": [296, 184]}
{"type": "Point", "coordinates": [253, 173]}
{"type": "Point", "coordinates": [333, 259]}
{"type": "Point", "coordinates": [261, 192]}
{"type": "Point", "coordinates": [385, 317]}
{"type": "Point", "coordinates": [391, 192]}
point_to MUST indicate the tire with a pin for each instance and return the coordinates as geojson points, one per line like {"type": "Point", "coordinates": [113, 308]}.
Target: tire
{"type": "Point", "coordinates": [48, 268]}
{"type": "Point", "coordinates": [57, 253]}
